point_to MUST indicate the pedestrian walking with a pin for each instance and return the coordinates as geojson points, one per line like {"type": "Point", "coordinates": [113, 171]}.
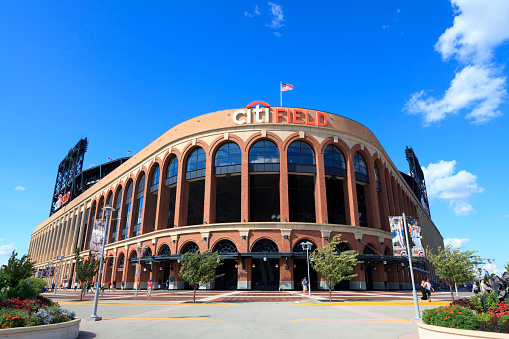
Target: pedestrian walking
{"type": "Point", "coordinates": [123, 284]}
{"type": "Point", "coordinates": [52, 286]}
{"type": "Point", "coordinates": [149, 287]}
{"type": "Point", "coordinates": [429, 288]}
{"type": "Point", "coordinates": [109, 285]}
{"type": "Point", "coordinates": [114, 285]}
{"type": "Point", "coordinates": [167, 285]}
{"type": "Point", "coordinates": [75, 285]}
{"type": "Point", "coordinates": [304, 285]}
{"type": "Point", "coordinates": [475, 288]}
{"type": "Point", "coordinates": [423, 290]}
{"type": "Point", "coordinates": [482, 286]}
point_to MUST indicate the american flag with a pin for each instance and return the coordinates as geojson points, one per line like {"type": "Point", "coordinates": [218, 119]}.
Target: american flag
{"type": "Point", "coordinates": [286, 87]}
{"type": "Point", "coordinates": [110, 159]}
{"type": "Point", "coordinates": [91, 165]}
{"type": "Point", "coordinates": [129, 152]}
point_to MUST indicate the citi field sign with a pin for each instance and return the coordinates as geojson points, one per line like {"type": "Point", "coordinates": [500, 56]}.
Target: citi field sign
{"type": "Point", "coordinates": [256, 114]}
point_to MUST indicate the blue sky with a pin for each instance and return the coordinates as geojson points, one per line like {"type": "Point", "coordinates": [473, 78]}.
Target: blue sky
{"type": "Point", "coordinates": [431, 75]}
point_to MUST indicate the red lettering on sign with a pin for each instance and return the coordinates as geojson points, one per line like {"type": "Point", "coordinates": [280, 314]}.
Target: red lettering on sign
{"type": "Point", "coordinates": [297, 115]}
{"type": "Point", "coordinates": [278, 115]}
{"type": "Point", "coordinates": [311, 123]}
{"type": "Point", "coordinates": [324, 119]}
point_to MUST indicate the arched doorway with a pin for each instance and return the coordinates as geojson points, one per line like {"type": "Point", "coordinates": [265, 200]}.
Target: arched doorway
{"type": "Point", "coordinates": [165, 252]}
{"type": "Point", "coordinates": [300, 267]}
{"type": "Point", "coordinates": [368, 270]}
{"type": "Point", "coordinates": [265, 271]}
{"type": "Point", "coordinates": [345, 284]}
{"type": "Point", "coordinates": [191, 247]}
{"type": "Point", "coordinates": [228, 268]}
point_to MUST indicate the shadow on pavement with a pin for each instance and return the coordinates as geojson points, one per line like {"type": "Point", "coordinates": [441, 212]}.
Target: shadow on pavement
{"type": "Point", "coordinates": [87, 335]}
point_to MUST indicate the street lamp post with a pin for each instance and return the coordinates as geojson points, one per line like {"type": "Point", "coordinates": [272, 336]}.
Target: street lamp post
{"type": "Point", "coordinates": [60, 258]}
{"type": "Point", "coordinates": [307, 246]}
{"type": "Point", "coordinates": [94, 315]}
{"type": "Point", "coordinates": [47, 272]}
{"type": "Point", "coordinates": [409, 256]}
{"type": "Point", "coordinates": [139, 250]}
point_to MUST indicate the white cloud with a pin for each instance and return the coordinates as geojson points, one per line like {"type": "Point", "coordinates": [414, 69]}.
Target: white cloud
{"type": "Point", "coordinates": [277, 34]}
{"type": "Point", "coordinates": [385, 26]}
{"type": "Point", "coordinates": [19, 188]}
{"type": "Point", "coordinates": [455, 242]}
{"type": "Point", "coordinates": [479, 28]}
{"type": "Point", "coordinates": [492, 268]}
{"type": "Point", "coordinates": [456, 189]}
{"type": "Point", "coordinates": [256, 11]}
{"type": "Point", "coordinates": [6, 249]}
{"type": "Point", "coordinates": [277, 13]}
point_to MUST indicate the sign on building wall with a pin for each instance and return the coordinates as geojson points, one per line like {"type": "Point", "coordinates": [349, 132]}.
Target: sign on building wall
{"type": "Point", "coordinates": [96, 242]}
{"type": "Point", "coordinates": [398, 232]}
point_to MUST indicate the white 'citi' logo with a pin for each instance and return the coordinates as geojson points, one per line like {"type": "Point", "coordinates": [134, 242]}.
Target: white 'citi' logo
{"type": "Point", "coordinates": [242, 117]}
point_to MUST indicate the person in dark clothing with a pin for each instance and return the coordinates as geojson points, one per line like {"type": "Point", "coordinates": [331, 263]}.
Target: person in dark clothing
{"type": "Point", "coordinates": [423, 291]}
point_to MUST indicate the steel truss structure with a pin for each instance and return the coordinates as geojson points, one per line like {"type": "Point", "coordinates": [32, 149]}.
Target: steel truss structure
{"type": "Point", "coordinates": [68, 170]}
{"type": "Point", "coordinates": [418, 184]}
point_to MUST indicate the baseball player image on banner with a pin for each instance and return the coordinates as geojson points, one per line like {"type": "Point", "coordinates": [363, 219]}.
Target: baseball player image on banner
{"type": "Point", "coordinates": [398, 240]}
{"type": "Point", "coordinates": [415, 233]}
{"type": "Point", "coordinates": [96, 240]}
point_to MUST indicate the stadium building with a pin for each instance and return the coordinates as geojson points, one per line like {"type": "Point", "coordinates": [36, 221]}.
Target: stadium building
{"type": "Point", "coordinates": [252, 184]}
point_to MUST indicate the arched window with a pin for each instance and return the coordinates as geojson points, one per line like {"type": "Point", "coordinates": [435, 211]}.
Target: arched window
{"type": "Point", "coordinates": [196, 164]}
{"type": "Point", "coordinates": [121, 261]}
{"type": "Point", "coordinates": [134, 258]}
{"type": "Point", "coordinates": [110, 265]}
{"type": "Point", "coordinates": [127, 211]}
{"type": "Point", "coordinates": [301, 158]}
{"type": "Point", "coordinates": [361, 169]}
{"type": "Point", "coordinates": [298, 246]}
{"type": "Point", "coordinates": [264, 187]}
{"type": "Point", "coordinates": [228, 187]}
{"type": "Point", "coordinates": [377, 178]}
{"type": "Point", "coordinates": [334, 161]}
{"type": "Point", "coordinates": [191, 248]}
{"type": "Point", "coordinates": [154, 183]}
{"type": "Point", "coordinates": [195, 169]}
{"type": "Point", "coordinates": [172, 172]}
{"type": "Point", "coordinates": [228, 159]}
{"type": "Point", "coordinates": [171, 181]}
{"type": "Point", "coordinates": [91, 226]}
{"type": "Point", "coordinates": [225, 246]}
{"type": "Point", "coordinates": [361, 175]}
{"type": "Point", "coordinates": [369, 250]}
{"type": "Point", "coordinates": [165, 251]}
{"type": "Point", "coordinates": [100, 209]}
{"type": "Point", "coordinates": [114, 221]}
{"type": "Point", "coordinates": [265, 246]}
{"type": "Point", "coordinates": [301, 188]}
{"type": "Point", "coordinates": [342, 246]}
{"type": "Point", "coordinates": [264, 157]}
{"type": "Point", "coordinates": [148, 253]}
{"type": "Point", "coordinates": [139, 206]}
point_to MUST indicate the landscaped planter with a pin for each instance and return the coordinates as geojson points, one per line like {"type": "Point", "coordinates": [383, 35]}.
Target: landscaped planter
{"type": "Point", "coordinates": [68, 330]}
{"type": "Point", "coordinates": [438, 332]}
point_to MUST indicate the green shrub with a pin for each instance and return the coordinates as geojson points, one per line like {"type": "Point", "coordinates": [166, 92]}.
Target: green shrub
{"type": "Point", "coordinates": [9, 311]}
{"type": "Point", "coordinates": [503, 323]}
{"type": "Point", "coordinates": [32, 321]}
{"type": "Point", "coordinates": [451, 316]}
{"type": "Point", "coordinates": [483, 301]}
{"type": "Point", "coordinates": [60, 318]}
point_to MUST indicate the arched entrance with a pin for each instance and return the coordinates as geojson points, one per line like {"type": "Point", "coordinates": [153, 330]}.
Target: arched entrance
{"type": "Point", "coordinates": [368, 270]}
{"type": "Point", "coordinates": [265, 271]}
{"type": "Point", "coordinates": [345, 284]}
{"type": "Point", "coordinates": [191, 247]}
{"type": "Point", "coordinates": [228, 268]}
{"type": "Point", "coordinates": [166, 265]}
{"type": "Point", "coordinates": [300, 267]}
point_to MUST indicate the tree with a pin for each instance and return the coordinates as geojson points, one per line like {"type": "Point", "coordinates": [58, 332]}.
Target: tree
{"type": "Point", "coordinates": [454, 266]}
{"type": "Point", "coordinates": [86, 269]}
{"type": "Point", "coordinates": [17, 269]}
{"type": "Point", "coordinates": [506, 267]}
{"type": "Point", "coordinates": [334, 267]}
{"type": "Point", "coordinates": [199, 268]}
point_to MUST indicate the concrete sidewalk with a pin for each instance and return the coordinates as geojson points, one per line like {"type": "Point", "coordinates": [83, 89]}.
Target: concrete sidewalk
{"type": "Point", "coordinates": [138, 319]}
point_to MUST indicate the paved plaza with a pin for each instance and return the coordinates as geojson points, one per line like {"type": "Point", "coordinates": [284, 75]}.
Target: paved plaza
{"type": "Point", "coordinates": [249, 314]}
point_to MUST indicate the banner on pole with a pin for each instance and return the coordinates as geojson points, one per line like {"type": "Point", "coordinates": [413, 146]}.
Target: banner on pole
{"type": "Point", "coordinates": [96, 241]}
{"type": "Point", "coordinates": [398, 232]}
{"type": "Point", "coordinates": [398, 236]}
{"type": "Point", "coordinates": [415, 237]}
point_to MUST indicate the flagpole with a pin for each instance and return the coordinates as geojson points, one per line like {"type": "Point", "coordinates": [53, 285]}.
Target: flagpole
{"type": "Point", "coordinates": [281, 92]}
